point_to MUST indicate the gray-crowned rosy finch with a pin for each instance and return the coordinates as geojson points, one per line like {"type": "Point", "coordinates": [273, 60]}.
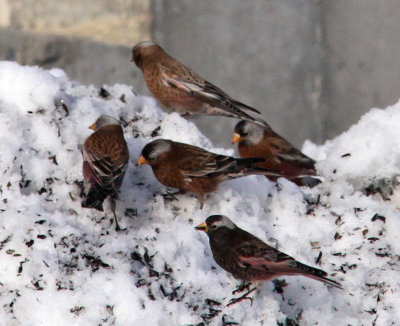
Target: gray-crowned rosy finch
{"type": "Point", "coordinates": [248, 258]}
{"type": "Point", "coordinates": [190, 168]}
{"type": "Point", "coordinates": [105, 160]}
{"type": "Point", "coordinates": [180, 89]}
{"type": "Point", "coordinates": [279, 154]}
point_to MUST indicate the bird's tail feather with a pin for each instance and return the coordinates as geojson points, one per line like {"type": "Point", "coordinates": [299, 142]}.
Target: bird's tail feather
{"type": "Point", "coordinates": [245, 166]}
{"type": "Point", "coordinates": [326, 281]}
{"type": "Point", "coordinates": [259, 122]}
{"type": "Point", "coordinates": [95, 198]}
{"type": "Point", "coordinates": [317, 274]}
{"type": "Point", "coordinates": [244, 106]}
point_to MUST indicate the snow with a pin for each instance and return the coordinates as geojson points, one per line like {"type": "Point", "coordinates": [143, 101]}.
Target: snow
{"type": "Point", "coordinates": [65, 265]}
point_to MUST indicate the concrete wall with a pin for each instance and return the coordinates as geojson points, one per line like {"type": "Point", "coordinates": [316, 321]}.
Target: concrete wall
{"type": "Point", "coordinates": [362, 65]}
{"type": "Point", "coordinates": [122, 22]}
{"type": "Point", "coordinates": [91, 40]}
{"type": "Point", "coordinates": [265, 53]}
{"type": "Point", "coordinates": [312, 67]}
{"type": "Point", "coordinates": [86, 61]}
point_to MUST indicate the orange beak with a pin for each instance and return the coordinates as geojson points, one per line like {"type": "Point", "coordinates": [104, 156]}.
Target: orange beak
{"type": "Point", "coordinates": [93, 126]}
{"type": "Point", "coordinates": [236, 138]}
{"type": "Point", "coordinates": [141, 161]}
{"type": "Point", "coordinates": [202, 227]}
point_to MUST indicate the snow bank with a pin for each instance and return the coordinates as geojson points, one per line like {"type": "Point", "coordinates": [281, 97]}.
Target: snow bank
{"type": "Point", "coordinates": [64, 265]}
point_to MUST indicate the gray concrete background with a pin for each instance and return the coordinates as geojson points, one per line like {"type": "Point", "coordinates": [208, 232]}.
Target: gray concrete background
{"type": "Point", "coordinates": [264, 53]}
{"type": "Point", "coordinates": [313, 67]}
{"type": "Point", "coordinates": [115, 22]}
{"type": "Point", "coordinates": [362, 59]}
{"type": "Point", "coordinates": [86, 61]}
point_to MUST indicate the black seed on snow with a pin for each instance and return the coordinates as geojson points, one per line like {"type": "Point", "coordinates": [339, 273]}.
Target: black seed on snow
{"type": "Point", "coordinates": [378, 217]}
{"type": "Point", "coordinates": [30, 243]}
{"type": "Point", "coordinates": [337, 236]}
{"type": "Point", "coordinates": [155, 132]}
{"type": "Point", "coordinates": [138, 257]}
{"type": "Point", "coordinates": [211, 302]}
{"type": "Point", "coordinates": [318, 258]}
{"type": "Point", "coordinates": [104, 93]}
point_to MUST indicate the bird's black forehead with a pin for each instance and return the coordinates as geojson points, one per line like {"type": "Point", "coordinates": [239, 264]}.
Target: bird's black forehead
{"type": "Point", "coordinates": [213, 218]}
{"type": "Point", "coordinates": [147, 150]}
{"type": "Point", "coordinates": [241, 127]}
{"type": "Point", "coordinates": [155, 148]}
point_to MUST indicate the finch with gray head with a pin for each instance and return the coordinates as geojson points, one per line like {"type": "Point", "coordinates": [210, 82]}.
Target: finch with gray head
{"type": "Point", "coordinates": [180, 89]}
{"type": "Point", "coordinates": [191, 168]}
{"type": "Point", "coordinates": [279, 154]}
{"type": "Point", "coordinates": [248, 258]}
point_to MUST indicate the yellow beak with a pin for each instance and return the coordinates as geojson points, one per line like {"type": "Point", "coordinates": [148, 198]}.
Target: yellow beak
{"type": "Point", "coordinates": [141, 161]}
{"type": "Point", "coordinates": [236, 138]}
{"type": "Point", "coordinates": [93, 126]}
{"type": "Point", "coordinates": [202, 227]}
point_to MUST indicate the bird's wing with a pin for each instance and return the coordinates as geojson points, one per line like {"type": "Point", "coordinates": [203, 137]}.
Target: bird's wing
{"type": "Point", "coordinates": [195, 86]}
{"type": "Point", "coordinates": [197, 162]}
{"type": "Point", "coordinates": [286, 152]}
{"type": "Point", "coordinates": [105, 172]}
{"type": "Point", "coordinates": [256, 254]}
{"type": "Point", "coordinates": [100, 168]}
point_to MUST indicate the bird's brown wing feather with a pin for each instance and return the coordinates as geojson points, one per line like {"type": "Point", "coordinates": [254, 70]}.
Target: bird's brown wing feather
{"type": "Point", "coordinates": [107, 169]}
{"type": "Point", "coordinates": [285, 151]}
{"type": "Point", "coordinates": [256, 254]}
{"type": "Point", "coordinates": [180, 77]}
{"type": "Point", "coordinates": [197, 162]}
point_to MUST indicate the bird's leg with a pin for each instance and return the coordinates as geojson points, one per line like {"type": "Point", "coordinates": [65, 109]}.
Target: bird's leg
{"type": "Point", "coordinates": [113, 206]}
{"type": "Point", "coordinates": [201, 198]}
{"type": "Point", "coordinates": [243, 297]}
{"type": "Point", "coordinates": [242, 286]}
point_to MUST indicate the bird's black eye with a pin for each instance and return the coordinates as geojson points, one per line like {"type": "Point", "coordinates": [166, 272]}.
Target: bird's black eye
{"type": "Point", "coordinates": [213, 226]}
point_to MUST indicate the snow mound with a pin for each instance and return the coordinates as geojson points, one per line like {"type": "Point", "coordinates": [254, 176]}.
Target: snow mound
{"type": "Point", "coordinates": [65, 265]}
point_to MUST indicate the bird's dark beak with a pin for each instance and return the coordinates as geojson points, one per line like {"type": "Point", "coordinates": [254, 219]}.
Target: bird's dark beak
{"type": "Point", "coordinates": [202, 227]}
{"type": "Point", "coordinates": [236, 138]}
{"type": "Point", "coordinates": [141, 161]}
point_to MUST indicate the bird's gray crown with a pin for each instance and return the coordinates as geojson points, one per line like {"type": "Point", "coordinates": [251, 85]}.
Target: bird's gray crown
{"type": "Point", "coordinates": [217, 221]}
{"type": "Point", "coordinates": [157, 147]}
{"type": "Point", "coordinates": [144, 44]}
{"type": "Point", "coordinates": [105, 120]}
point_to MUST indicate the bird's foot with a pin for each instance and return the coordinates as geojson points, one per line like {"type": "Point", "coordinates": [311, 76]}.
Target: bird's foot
{"type": "Point", "coordinates": [117, 227]}
{"type": "Point", "coordinates": [241, 298]}
{"type": "Point", "coordinates": [242, 286]}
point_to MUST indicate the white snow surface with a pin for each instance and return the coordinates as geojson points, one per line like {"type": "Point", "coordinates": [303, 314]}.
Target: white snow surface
{"type": "Point", "coordinates": [65, 265]}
